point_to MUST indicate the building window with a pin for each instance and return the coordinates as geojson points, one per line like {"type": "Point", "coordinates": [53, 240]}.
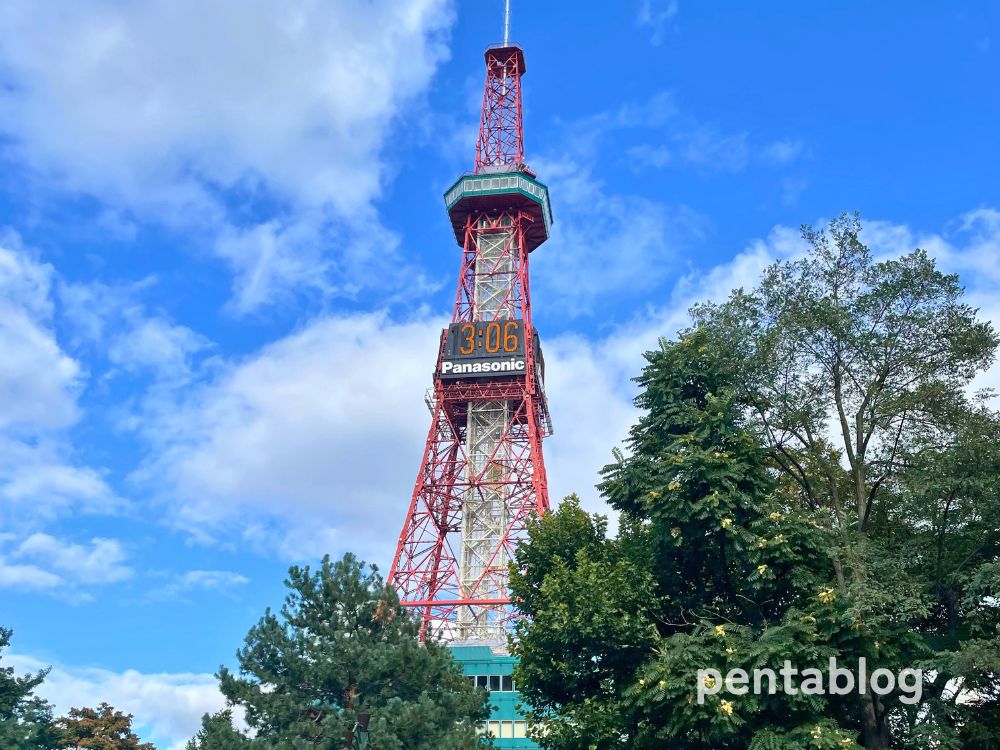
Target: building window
{"type": "Point", "coordinates": [493, 682]}
{"type": "Point", "coordinates": [520, 730]}
{"type": "Point", "coordinates": [506, 730]}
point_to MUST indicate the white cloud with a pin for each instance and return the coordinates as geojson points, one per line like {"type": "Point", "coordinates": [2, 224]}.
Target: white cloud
{"type": "Point", "coordinates": [37, 483]}
{"type": "Point", "coordinates": [60, 568]}
{"type": "Point", "coordinates": [181, 110]}
{"type": "Point", "coordinates": [315, 440]}
{"type": "Point", "coordinates": [167, 707]}
{"type": "Point", "coordinates": [39, 386]}
{"type": "Point", "coordinates": [38, 381]}
{"type": "Point", "coordinates": [100, 562]}
{"type": "Point", "coordinates": [30, 577]}
{"type": "Point", "coordinates": [657, 15]}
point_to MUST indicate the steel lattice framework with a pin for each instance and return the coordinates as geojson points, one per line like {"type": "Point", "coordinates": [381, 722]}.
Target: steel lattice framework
{"type": "Point", "coordinates": [501, 133]}
{"type": "Point", "coordinates": [482, 476]}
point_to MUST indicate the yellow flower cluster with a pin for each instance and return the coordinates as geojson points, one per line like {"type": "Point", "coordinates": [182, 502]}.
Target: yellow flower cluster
{"type": "Point", "coordinates": [761, 569]}
{"type": "Point", "coordinates": [726, 707]}
{"type": "Point", "coordinates": [674, 486]}
{"type": "Point", "coordinates": [720, 631]}
{"type": "Point", "coordinates": [826, 595]}
{"type": "Point", "coordinates": [675, 532]}
{"type": "Point", "coordinates": [727, 522]}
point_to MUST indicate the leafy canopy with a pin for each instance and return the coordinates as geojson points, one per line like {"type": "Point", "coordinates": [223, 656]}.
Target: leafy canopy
{"type": "Point", "coordinates": [103, 728]}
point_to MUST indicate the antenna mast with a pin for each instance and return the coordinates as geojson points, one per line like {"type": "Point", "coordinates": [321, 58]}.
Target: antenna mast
{"type": "Point", "coordinates": [506, 26]}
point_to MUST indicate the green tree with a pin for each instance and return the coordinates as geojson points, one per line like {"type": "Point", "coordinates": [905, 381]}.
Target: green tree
{"type": "Point", "coordinates": [341, 650]}
{"type": "Point", "coordinates": [217, 733]}
{"type": "Point", "coordinates": [103, 728]}
{"type": "Point", "coordinates": [857, 371]}
{"type": "Point", "coordinates": [25, 719]}
{"type": "Point", "coordinates": [710, 568]}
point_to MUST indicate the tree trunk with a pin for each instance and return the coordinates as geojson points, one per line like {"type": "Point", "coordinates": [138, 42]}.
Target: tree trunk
{"type": "Point", "coordinates": [873, 737]}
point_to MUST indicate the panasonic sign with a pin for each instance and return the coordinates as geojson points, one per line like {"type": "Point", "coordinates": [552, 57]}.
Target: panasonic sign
{"type": "Point", "coordinates": [481, 368]}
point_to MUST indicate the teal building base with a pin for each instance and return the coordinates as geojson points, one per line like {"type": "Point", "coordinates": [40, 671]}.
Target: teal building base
{"type": "Point", "coordinates": [488, 665]}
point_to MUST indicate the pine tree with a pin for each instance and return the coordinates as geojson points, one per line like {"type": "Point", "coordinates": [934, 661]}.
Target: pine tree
{"type": "Point", "coordinates": [341, 650]}
{"type": "Point", "coordinates": [25, 719]}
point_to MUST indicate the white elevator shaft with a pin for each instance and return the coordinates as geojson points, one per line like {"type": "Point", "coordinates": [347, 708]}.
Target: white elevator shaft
{"type": "Point", "coordinates": [485, 514]}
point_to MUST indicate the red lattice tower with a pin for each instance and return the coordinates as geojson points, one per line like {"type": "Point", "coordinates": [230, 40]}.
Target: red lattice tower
{"type": "Point", "coordinates": [482, 475]}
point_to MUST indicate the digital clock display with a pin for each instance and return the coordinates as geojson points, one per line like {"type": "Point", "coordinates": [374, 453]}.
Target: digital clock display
{"type": "Point", "coordinates": [495, 338]}
{"type": "Point", "coordinates": [488, 348]}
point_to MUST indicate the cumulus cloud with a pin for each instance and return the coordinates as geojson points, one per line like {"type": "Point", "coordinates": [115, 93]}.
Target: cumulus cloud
{"type": "Point", "coordinates": [317, 436]}
{"type": "Point", "coordinates": [30, 577]}
{"type": "Point", "coordinates": [38, 381]}
{"type": "Point", "coordinates": [99, 562]}
{"type": "Point", "coordinates": [60, 568]}
{"type": "Point", "coordinates": [39, 387]}
{"type": "Point", "coordinates": [182, 111]}
{"type": "Point", "coordinates": [167, 707]}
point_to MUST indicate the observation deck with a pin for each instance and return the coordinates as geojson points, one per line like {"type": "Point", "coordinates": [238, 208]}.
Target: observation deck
{"type": "Point", "coordinates": [498, 190]}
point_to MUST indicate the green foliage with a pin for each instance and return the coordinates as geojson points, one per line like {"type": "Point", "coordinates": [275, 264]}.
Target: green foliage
{"type": "Point", "coordinates": [708, 570]}
{"type": "Point", "coordinates": [103, 728]}
{"type": "Point", "coordinates": [217, 733]}
{"type": "Point", "coordinates": [857, 371]}
{"type": "Point", "coordinates": [25, 719]}
{"type": "Point", "coordinates": [810, 478]}
{"type": "Point", "coordinates": [341, 647]}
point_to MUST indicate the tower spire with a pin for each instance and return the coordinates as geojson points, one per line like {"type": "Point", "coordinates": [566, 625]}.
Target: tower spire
{"type": "Point", "coordinates": [501, 131]}
{"type": "Point", "coordinates": [506, 26]}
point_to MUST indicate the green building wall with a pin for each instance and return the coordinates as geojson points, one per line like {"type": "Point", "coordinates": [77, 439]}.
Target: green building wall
{"type": "Point", "coordinates": [506, 719]}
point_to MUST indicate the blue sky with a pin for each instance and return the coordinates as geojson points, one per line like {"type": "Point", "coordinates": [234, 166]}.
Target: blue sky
{"type": "Point", "coordinates": [224, 260]}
